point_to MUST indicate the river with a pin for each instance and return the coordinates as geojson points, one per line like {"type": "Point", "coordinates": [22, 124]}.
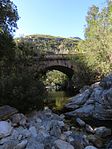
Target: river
{"type": "Point", "coordinates": [56, 99]}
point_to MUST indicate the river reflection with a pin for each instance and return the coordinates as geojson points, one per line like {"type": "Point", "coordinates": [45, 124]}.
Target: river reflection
{"type": "Point", "coordinates": [56, 99]}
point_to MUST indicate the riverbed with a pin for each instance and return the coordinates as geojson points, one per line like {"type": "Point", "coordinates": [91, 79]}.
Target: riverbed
{"type": "Point", "coordinates": [56, 99]}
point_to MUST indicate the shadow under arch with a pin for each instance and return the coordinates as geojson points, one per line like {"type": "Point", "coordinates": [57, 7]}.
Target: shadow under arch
{"type": "Point", "coordinates": [66, 70]}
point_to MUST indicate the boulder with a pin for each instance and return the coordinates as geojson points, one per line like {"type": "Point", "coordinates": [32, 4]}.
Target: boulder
{"type": "Point", "coordinates": [78, 100]}
{"type": "Point", "coordinates": [21, 145]}
{"type": "Point", "coordinates": [102, 131]}
{"type": "Point", "coordinates": [106, 82]}
{"type": "Point", "coordinates": [96, 140]}
{"type": "Point", "coordinates": [7, 111]}
{"type": "Point", "coordinates": [80, 122]}
{"type": "Point", "coordinates": [5, 129]}
{"type": "Point", "coordinates": [19, 119]}
{"type": "Point", "coordinates": [79, 141]}
{"type": "Point", "coordinates": [89, 129]}
{"type": "Point", "coordinates": [33, 131]}
{"type": "Point", "coordinates": [11, 144]}
{"type": "Point", "coordinates": [95, 102]}
{"type": "Point", "coordinates": [60, 144]}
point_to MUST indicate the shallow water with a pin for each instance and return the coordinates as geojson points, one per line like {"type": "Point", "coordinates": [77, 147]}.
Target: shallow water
{"type": "Point", "coordinates": [56, 99]}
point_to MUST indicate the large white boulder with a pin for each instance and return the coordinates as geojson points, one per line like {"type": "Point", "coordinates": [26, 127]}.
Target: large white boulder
{"type": "Point", "coordinates": [5, 129]}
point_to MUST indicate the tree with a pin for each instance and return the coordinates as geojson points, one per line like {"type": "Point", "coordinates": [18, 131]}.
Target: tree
{"type": "Point", "coordinates": [8, 19]}
{"type": "Point", "coordinates": [91, 22]}
{"type": "Point", "coordinates": [98, 36]}
{"type": "Point", "coordinates": [8, 16]}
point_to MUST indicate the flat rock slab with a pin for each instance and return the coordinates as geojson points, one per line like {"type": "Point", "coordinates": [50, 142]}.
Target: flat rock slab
{"type": "Point", "coordinates": [7, 111]}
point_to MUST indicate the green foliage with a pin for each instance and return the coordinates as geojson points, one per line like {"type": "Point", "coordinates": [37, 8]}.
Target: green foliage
{"type": "Point", "coordinates": [52, 45]}
{"type": "Point", "coordinates": [7, 46]}
{"type": "Point", "coordinates": [54, 77]}
{"type": "Point", "coordinates": [27, 90]}
{"type": "Point", "coordinates": [21, 91]}
{"type": "Point", "coordinates": [97, 45]}
{"type": "Point", "coordinates": [8, 19]}
{"type": "Point", "coordinates": [8, 16]}
{"type": "Point", "coordinates": [20, 85]}
{"type": "Point", "coordinates": [83, 74]}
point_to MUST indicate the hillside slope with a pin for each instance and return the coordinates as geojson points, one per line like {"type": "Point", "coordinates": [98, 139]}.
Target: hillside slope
{"type": "Point", "coordinates": [51, 44]}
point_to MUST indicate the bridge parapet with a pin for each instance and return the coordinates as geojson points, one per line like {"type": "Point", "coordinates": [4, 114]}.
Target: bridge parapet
{"type": "Point", "coordinates": [57, 56]}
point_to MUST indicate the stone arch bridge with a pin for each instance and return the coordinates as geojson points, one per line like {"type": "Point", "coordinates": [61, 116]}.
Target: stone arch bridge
{"type": "Point", "coordinates": [60, 62]}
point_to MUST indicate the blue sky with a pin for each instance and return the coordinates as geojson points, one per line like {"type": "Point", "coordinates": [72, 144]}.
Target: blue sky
{"type": "Point", "coordinates": [64, 18]}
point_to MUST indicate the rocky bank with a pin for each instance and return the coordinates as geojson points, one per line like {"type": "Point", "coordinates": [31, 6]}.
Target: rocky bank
{"type": "Point", "coordinates": [93, 102]}
{"type": "Point", "coordinates": [47, 130]}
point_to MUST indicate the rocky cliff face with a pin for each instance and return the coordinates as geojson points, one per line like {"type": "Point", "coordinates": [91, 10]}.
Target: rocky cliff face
{"type": "Point", "coordinates": [93, 102]}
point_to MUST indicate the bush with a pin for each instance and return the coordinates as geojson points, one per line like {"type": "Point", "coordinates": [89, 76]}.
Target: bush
{"type": "Point", "coordinates": [20, 84]}
{"type": "Point", "coordinates": [22, 92]}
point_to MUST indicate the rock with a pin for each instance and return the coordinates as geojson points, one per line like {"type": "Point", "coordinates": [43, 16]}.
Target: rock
{"type": "Point", "coordinates": [93, 103]}
{"type": "Point", "coordinates": [79, 141]}
{"type": "Point", "coordinates": [43, 131]}
{"type": "Point", "coordinates": [14, 134]}
{"type": "Point", "coordinates": [49, 142]}
{"type": "Point", "coordinates": [97, 141]}
{"type": "Point", "coordinates": [40, 138]}
{"type": "Point", "coordinates": [63, 137]}
{"type": "Point", "coordinates": [55, 129]}
{"type": "Point", "coordinates": [84, 88]}
{"type": "Point", "coordinates": [106, 82]}
{"type": "Point", "coordinates": [67, 133]}
{"type": "Point", "coordinates": [109, 145]}
{"type": "Point", "coordinates": [47, 112]}
{"type": "Point", "coordinates": [26, 133]}
{"type": "Point", "coordinates": [38, 120]}
{"type": "Point", "coordinates": [102, 132]}
{"type": "Point", "coordinates": [5, 129]}
{"type": "Point", "coordinates": [80, 122]}
{"type": "Point", "coordinates": [19, 119]}
{"type": "Point", "coordinates": [90, 147]}
{"type": "Point", "coordinates": [62, 116]}
{"type": "Point", "coordinates": [33, 131]}
{"type": "Point", "coordinates": [7, 111]}
{"type": "Point", "coordinates": [70, 140]}
{"type": "Point", "coordinates": [33, 144]}
{"type": "Point", "coordinates": [61, 124]}
{"type": "Point", "coordinates": [20, 137]}
{"type": "Point", "coordinates": [5, 140]}
{"type": "Point", "coordinates": [60, 144]}
{"type": "Point", "coordinates": [78, 100]}
{"type": "Point", "coordinates": [47, 130]}
{"type": "Point", "coordinates": [107, 99]}
{"type": "Point", "coordinates": [83, 112]}
{"type": "Point", "coordinates": [89, 129]}
{"type": "Point", "coordinates": [21, 145]}
{"type": "Point", "coordinates": [11, 144]}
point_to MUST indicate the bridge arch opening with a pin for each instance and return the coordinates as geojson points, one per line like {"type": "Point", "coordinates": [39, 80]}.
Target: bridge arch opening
{"type": "Point", "coordinates": [65, 70]}
{"type": "Point", "coordinates": [63, 74]}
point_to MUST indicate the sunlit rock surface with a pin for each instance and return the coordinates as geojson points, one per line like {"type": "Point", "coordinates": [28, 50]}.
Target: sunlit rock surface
{"type": "Point", "coordinates": [47, 130]}
{"type": "Point", "coordinates": [94, 102]}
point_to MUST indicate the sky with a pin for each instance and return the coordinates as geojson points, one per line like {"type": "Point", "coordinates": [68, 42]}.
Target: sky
{"type": "Point", "coordinates": [64, 18]}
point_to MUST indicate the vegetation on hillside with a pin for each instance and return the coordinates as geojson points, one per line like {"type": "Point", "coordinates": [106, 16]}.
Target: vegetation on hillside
{"type": "Point", "coordinates": [51, 44]}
